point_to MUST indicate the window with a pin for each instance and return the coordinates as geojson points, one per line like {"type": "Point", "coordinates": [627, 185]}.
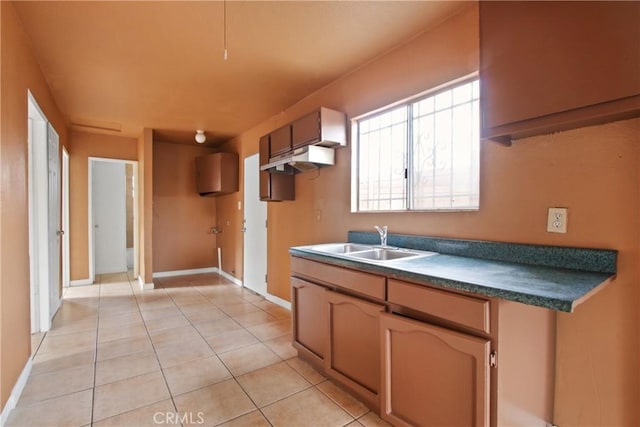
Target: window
{"type": "Point", "coordinates": [421, 154]}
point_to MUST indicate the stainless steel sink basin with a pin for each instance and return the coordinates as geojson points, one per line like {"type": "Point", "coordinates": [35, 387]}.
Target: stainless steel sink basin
{"type": "Point", "coordinates": [341, 248]}
{"type": "Point", "coordinates": [369, 252]}
{"type": "Point", "coordinates": [384, 254]}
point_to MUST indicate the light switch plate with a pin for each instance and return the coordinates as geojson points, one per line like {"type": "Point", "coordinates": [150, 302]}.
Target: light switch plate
{"type": "Point", "coordinates": [557, 220]}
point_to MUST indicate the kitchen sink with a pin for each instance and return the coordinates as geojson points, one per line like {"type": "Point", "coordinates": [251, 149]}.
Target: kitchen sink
{"type": "Point", "coordinates": [369, 252]}
{"type": "Point", "coordinates": [341, 248]}
{"type": "Point", "coordinates": [384, 254]}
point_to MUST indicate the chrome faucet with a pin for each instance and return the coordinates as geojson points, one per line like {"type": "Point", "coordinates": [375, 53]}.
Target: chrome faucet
{"type": "Point", "coordinates": [383, 234]}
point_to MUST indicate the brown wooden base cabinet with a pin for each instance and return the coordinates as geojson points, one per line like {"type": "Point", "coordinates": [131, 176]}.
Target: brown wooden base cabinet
{"type": "Point", "coordinates": [309, 320]}
{"type": "Point", "coordinates": [420, 355]}
{"type": "Point", "coordinates": [353, 356]}
{"type": "Point", "coordinates": [433, 376]}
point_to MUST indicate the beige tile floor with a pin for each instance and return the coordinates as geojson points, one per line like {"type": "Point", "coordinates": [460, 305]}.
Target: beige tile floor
{"type": "Point", "coordinates": [204, 353]}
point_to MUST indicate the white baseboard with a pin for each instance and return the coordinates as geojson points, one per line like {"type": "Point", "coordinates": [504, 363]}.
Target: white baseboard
{"type": "Point", "coordinates": [279, 301]}
{"type": "Point", "coordinates": [16, 392]}
{"type": "Point", "coordinates": [81, 282]}
{"type": "Point", "coordinates": [183, 272]}
{"type": "Point", "coordinates": [230, 278]}
{"type": "Point", "coordinates": [144, 286]}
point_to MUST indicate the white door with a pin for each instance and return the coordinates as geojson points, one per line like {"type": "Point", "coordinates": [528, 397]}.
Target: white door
{"type": "Point", "coordinates": [255, 229]}
{"type": "Point", "coordinates": [108, 195]}
{"type": "Point", "coordinates": [42, 228]}
{"type": "Point", "coordinates": [54, 231]}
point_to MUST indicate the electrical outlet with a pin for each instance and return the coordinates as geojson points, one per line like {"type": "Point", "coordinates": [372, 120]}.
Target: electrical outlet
{"type": "Point", "coordinates": [557, 220]}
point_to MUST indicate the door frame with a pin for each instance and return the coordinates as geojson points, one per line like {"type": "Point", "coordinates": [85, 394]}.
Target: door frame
{"type": "Point", "coordinates": [66, 260]}
{"type": "Point", "coordinates": [38, 205]}
{"type": "Point", "coordinates": [91, 160]}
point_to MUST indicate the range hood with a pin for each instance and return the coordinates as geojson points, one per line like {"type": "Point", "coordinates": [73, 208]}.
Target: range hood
{"type": "Point", "coordinates": [301, 160]}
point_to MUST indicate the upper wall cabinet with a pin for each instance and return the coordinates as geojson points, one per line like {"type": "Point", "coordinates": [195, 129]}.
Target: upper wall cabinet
{"type": "Point", "coordinates": [280, 141]}
{"type": "Point", "coordinates": [322, 127]}
{"type": "Point", "coordinates": [552, 66]}
{"type": "Point", "coordinates": [217, 174]}
{"type": "Point", "coordinates": [274, 187]}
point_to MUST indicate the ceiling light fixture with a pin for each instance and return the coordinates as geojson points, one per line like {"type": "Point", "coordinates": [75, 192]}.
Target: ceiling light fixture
{"type": "Point", "coordinates": [200, 136]}
{"type": "Point", "coordinates": [224, 18]}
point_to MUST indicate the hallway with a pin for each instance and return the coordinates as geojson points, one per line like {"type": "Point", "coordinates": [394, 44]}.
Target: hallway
{"type": "Point", "coordinates": [205, 352]}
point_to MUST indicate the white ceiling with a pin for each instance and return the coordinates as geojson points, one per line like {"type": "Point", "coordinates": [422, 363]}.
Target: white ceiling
{"type": "Point", "coordinates": [116, 67]}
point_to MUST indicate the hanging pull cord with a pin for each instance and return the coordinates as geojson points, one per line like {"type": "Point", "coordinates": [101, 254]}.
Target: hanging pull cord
{"type": "Point", "coordinates": [225, 29]}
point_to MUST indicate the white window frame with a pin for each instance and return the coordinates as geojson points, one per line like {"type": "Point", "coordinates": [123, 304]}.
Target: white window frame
{"type": "Point", "coordinates": [355, 153]}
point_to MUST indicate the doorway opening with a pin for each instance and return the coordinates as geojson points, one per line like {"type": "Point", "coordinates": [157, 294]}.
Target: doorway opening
{"type": "Point", "coordinates": [44, 217]}
{"type": "Point", "coordinates": [113, 213]}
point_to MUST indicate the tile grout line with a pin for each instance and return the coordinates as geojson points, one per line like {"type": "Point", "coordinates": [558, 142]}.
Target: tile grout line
{"type": "Point", "coordinates": [102, 293]}
{"type": "Point", "coordinates": [133, 294]}
{"type": "Point", "coordinates": [244, 327]}
{"type": "Point", "coordinates": [95, 354]}
{"type": "Point", "coordinates": [164, 378]}
{"type": "Point", "coordinates": [191, 323]}
{"type": "Point", "coordinates": [258, 408]}
{"type": "Point", "coordinates": [233, 376]}
{"type": "Point", "coordinates": [208, 344]}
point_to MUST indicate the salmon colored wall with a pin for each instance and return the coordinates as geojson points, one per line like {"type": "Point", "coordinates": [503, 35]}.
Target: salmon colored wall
{"type": "Point", "coordinates": [182, 220]}
{"type": "Point", "coordinates": [593, 171]}
{"type": "Point", "coordinates": [19, 72]}
{"type": "Point", "coordinates": [230, 221]}
{"type": "Point", "coordinates": [145, 205]}
{"type": "Point", "coordinates": [437, 56]}
{"type": "Point", "coordinates": [82, 146]}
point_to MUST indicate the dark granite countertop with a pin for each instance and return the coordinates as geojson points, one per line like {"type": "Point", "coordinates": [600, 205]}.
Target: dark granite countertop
{"type": "Point", "coordinates": [554, 287]}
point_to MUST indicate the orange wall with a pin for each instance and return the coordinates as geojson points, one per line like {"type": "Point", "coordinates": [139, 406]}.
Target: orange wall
{"type": "Point", "coordinates": [182, 220]}
{"type": "Point", "coordinates": [593, 171]}
{"type": "Point", "coordinates": [446, 52]}
{"type": "Point", "coordinates": [82, 146]}
{"type": "Point", "coordinates": [19, 72]}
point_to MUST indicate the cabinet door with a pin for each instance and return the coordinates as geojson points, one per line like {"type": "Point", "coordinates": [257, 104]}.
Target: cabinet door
{"type": "Point", "coordinates": [281, 187]}
{"type": "Point", "coordinates": [306, 130]}
{"type": "Point", "coordinates": [309, 311]}
{"type": "Point", "coordinates": [280, 141]}
{"type": "Point", "coordinates": [263, 146]}
{"type": "Point", "coordinates": [548, 61]}
{"type": "Point", "coordinates": [353, 356]}
{"type": "Point", "coordinates": [433, 376]}
{"type": "Point", "coordinates": [265, 194]}
{"type": "Point", "coordinates": [274, 187]}
{"type": "Point", "coordinates": [217, 174]}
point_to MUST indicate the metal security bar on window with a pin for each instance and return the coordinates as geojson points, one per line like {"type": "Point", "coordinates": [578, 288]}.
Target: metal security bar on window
{"type": "Point", "coordinates": [382, 154]}
{"type": "Point", "coordinates": [445, 148]}
{"type": "Point", "coordinates": [420, 155]}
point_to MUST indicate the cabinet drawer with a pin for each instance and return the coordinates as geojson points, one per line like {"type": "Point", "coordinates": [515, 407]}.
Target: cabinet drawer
{"type": "Point", "coordinates": [362, 283]}
{"type": "Point", "coordinates": [463, 310]}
